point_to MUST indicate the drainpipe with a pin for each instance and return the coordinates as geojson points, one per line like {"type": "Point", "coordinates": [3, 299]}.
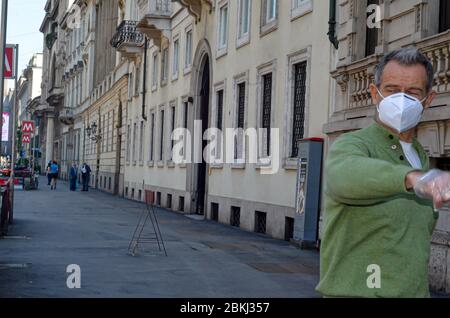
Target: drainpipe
{"type": "Point", "coordinates": [332, 25]}
{"type": "Point", "coordinates": [144, 81]}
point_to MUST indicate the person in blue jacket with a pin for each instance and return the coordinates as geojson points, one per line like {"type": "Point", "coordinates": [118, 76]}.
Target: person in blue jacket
{"type": "Point", "coordinates": [54, 170]}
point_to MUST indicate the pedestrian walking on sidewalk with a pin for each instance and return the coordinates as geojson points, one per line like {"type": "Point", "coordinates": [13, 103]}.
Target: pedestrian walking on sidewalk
{"type": "Point", "coordinates": [85, 176]}
{"type": "Point", "coordinates": [73, 176]}
{"type": "Point", "coordinates": [49, 174]}
{"type": "Point", "coordinates": [54, 170]}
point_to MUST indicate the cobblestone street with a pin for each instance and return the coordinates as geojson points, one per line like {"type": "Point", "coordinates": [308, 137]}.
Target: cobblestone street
{"type": "Point", "coordinates": [55, 229]}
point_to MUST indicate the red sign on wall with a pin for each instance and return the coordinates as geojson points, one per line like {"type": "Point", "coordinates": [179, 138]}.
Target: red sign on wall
{"type": "Point", "coordinates": [26, 139]}
{"type": "Point", "coordinates": [28, 127]}
{"type": "Point", "coordinates": [9, 62]}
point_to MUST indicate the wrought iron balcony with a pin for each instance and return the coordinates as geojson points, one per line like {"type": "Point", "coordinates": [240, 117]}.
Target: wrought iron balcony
{"type": "Point", "coordinates": [195, 6]}
{"type": "Point", "coordinates": [154, 19]}
{"type": "Point", "coordinates": [66, 116]}
{"type": "Point", "coordinates": [127, 39]}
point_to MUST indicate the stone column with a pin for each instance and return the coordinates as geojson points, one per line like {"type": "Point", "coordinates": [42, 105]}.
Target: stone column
{"type": "Point", "coordinates": [50, 137]}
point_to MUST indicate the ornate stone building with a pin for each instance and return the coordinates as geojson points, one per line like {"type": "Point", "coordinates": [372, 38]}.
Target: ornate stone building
{"type": "Point", "coordinates": [52, 90]}
{"type": "Point", "coordinates": [225, 64]}
{"type": "Point", "coordinates": [81, 73]}
{"type": "Point", "coordinates": [117, 84]}
{"type": "Point", "coordinates": [103, 116]}
{"type": "Point", "coordinates": [424, 24]}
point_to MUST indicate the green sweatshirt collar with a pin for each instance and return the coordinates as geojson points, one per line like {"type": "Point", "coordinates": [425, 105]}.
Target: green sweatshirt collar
{"type": "Point", "coordinates": [394, 139]}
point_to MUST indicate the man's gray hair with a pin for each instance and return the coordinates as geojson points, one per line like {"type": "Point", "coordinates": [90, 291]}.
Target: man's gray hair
{"type": "Point", "coordinates": [408, 57]}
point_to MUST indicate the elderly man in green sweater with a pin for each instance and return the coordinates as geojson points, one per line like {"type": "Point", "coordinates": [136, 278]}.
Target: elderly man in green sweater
{"type": "Point", "coordinates": [381, 201]}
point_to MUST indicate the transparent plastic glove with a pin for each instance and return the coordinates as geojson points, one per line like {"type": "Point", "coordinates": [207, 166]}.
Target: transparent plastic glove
{"type": "Point", "coordinates": [435, 186]}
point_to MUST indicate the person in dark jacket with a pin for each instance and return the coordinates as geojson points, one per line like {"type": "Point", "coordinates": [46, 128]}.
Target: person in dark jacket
{"type": "Point", "coordinates": [85, 176]}
{"type": "Point", "coordinates": [73, 176]}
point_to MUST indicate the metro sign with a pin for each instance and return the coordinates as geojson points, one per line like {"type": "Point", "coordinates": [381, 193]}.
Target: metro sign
{"type": "Point", "coordinates": [9, 62]}
{"type": "Point", "coordinates": [26, 139]}
{"type": "Point", "coordinates": [28, 127]}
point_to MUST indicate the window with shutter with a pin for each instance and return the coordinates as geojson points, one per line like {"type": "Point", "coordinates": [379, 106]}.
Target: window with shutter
{"type": "Point", "coordinates": [267, 112]}
{"type": "Point", "coordinates": [298, 106]}
{"type": "Point", "coordinates": [240, 120]}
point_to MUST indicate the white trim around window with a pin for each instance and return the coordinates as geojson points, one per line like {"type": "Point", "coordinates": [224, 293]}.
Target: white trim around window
{"type": "Point", "coordinates": [262, 70]}
{"type": "Point", "coordinates": [269, 24]}
{"type": "Point", "coordinates": [293, 59]}
{"type": "Point", "coordinates": [130, 83]}
{"type": "Point", "coordinates": [162, 128]}
{"type": "Point", "coordinates": [133, 152]}
{"type": "Point", "coordinates": [165, 61]}
{"type": "Point", "coordinates": [155, 71]}
{"type": "Point", "coordinates": [220, 86]}
{"type": "Point", "coordinates": [176, 57]}
{"type": "Point", "coordinates": [237, 80]}
{"type": "Point", "coordinates": [188, 45]}
{"type": "Point", "coordinates": [137, 80]}
{"type": "Point", "coordinates": [223, 18]}
{"type": "Point", "coordinates": [244, 23]}
{"type": "Point", "coordinates": [141, 150]}
{"type": "Point", "coordinates": [172, 112]}
{"type": "Point", "coordinates": [301, 7]}
{"type": "Point", "coordinates": [152, 137]}
{"type": "Point", "coordinates": [184, 123]}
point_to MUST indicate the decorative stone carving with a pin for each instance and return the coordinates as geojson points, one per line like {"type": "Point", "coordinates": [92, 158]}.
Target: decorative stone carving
{"type": "Point", "coordinates": [342, 81]}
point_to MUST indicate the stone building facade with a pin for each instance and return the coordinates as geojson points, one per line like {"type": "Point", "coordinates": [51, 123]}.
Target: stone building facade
{"type": "Point", "coordinates": [81, 73]}
{"type": "Point", "coordinates": [120, 76]}
{"type": "Point", "coordinates": [52, 90]}
{"type": "Point", "coordinates": [424, 24]}
{"type": "Point", "coordinates": [124, 74]}
{"type": "Point", "coordinates": [226, 64]}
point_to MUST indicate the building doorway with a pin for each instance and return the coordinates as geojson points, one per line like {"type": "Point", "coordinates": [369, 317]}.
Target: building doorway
{"type": "Point", "coordinates": [204, 98]}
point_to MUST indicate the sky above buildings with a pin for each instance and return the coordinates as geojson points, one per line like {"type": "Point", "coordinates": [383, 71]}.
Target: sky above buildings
{"type": "Point", "coordinates": [24, 20]}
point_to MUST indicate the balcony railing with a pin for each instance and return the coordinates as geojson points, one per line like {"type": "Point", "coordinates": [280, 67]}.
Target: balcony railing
{"type": "Point", "coordinates": [437, 49]}
{"type": "Point", "coordinates": [354, 79]}
{"type": "Point", "coordinates": [353, 103]}
{"type": "Point", "coordinates": [127, 39]}
{"type": "Point", "coordinates": [360, 80]}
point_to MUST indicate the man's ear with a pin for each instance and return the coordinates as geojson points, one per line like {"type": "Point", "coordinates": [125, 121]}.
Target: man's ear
{"type": "Point", "coordinates": [376, 98]}
{"type": "Point", "coordinates": [429, 100]}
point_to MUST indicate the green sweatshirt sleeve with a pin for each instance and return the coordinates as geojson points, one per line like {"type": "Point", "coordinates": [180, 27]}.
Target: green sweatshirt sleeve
{"type": "Point", "coordinates": [354, 178]}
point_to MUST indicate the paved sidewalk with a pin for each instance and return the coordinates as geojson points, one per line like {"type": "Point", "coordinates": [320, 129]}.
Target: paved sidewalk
{"type": "Point", "coordinates": [56, 228]}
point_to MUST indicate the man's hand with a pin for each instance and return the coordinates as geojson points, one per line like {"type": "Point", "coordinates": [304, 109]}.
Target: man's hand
{"type": "Point", "coordinates": [434, 185]}
{"type": "Point", "coordinates": [412, 178]}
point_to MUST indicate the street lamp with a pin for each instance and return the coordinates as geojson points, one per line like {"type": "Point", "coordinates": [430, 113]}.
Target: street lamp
{"type": "Point", "coordinates": [91, 132]}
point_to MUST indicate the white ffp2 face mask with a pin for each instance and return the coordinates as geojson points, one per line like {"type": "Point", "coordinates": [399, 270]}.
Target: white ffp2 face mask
{"type": "Point", "coordinates": [400, 111]}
